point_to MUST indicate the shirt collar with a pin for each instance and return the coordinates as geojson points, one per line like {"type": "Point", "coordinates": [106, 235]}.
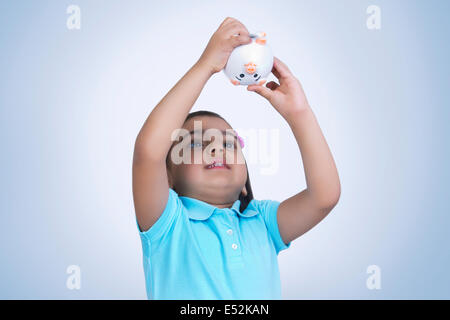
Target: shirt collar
{"type": "Point", "coordinates": [200, 210]}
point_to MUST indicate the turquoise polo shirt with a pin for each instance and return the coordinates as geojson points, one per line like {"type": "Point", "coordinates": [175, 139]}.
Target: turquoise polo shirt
{"type": "Point", "coordinates": [198, 251]}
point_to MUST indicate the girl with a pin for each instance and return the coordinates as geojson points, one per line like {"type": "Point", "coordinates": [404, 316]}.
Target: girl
{"type": "Point", "coordinates": [203, 235]}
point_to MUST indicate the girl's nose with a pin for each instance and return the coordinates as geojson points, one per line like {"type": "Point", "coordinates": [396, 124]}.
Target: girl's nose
{"type": "Point", "coordinates": [216, 149]}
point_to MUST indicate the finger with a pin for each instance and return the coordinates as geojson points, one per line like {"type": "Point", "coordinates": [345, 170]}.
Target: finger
{"type": "Point", "coordinates": [272, 85]}
{"type": "Point", "coordinates": [276, 73]}
{"type": "Point", "coordinates": [240, 40]}
{"type": "Point", "coordinates": [281, 68]}
{"type": "Point", "coordinates": [261, 90]}
{"type": "Point", "coordinates": [239, 34]}
{"type": "Point", "coordinates": [236, 28]}
{"type": "Point", "coordinates": [226, 21]}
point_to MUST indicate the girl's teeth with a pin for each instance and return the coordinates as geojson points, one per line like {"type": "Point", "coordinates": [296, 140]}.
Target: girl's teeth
{"type": "Point", "coordinates": [218, 164]}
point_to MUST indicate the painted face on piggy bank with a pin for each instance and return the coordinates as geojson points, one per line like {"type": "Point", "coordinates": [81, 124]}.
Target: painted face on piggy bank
{"type": "Point", "coordinates": [250, 63]}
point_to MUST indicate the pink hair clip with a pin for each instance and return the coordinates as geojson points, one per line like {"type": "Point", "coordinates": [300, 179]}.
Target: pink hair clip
{"type": "Point", "coordinates": [241, 141]}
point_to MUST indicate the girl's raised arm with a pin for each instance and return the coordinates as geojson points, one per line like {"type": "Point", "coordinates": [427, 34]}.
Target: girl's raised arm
{"type": "Point", "coordinates": [299, 213]}
{"type": "Point", "coordinates": [150, 181]}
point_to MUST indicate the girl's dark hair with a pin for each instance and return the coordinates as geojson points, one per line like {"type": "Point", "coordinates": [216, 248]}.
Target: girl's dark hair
{"type": "Point", "coordinates": [245, 200]}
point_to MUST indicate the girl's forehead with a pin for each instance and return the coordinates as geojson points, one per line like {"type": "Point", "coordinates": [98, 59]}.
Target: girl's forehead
{"type": "Point", "coordinates": [206, 123]}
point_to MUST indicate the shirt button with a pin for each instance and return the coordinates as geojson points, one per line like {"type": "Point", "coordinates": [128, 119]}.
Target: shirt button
{"type": "Point", "coordinates": [230, 232]}
{"type": "Point", "coordinates": [234, 246]}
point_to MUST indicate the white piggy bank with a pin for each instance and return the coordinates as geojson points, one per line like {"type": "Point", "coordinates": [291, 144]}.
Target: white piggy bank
{"type": "Point", "coordinates": [250, 63]}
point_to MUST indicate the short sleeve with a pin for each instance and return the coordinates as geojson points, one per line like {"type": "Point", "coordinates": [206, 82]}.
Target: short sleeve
{"type": "Point", "coordinates": [268, 209]}
{"type": "Point", "coordinates": [165, 221]}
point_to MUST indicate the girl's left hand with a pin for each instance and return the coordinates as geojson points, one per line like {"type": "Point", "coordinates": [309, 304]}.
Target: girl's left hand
{"type": "Point", "coordinates": [287, 97]}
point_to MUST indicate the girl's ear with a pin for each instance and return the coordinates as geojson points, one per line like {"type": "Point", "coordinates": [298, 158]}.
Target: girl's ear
{"type": "Point", "coordinates": [244, 191]}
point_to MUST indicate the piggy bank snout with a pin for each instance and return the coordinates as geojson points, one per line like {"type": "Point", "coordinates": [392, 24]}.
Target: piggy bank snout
{"type": "Point", "coordinates": [250, 68]}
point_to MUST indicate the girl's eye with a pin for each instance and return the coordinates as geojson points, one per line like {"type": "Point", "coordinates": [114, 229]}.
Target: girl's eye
{"type": "Point", "coordinates": [229, 145]}
{"type": "Point", "coordinates": [242, 75]}
{"type": "Point", "coordinates": [196, 145]}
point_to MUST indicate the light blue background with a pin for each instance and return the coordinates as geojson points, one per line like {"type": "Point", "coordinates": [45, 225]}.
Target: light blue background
{"type": "Point", "coordinates": [72, 103]}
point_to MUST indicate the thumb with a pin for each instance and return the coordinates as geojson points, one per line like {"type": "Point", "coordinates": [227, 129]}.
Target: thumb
{"type": "Point", "coordinates": [261, 90]}
{"type": "Point", "coordinates": [240, 40]}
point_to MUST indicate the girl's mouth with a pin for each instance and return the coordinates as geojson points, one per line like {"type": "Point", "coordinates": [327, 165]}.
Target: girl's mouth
{"type": "Point", "coordinates": [217, 165]}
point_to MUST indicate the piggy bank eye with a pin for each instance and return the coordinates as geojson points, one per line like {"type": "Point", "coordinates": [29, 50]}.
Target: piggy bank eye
{"type": "Point", "coordinates": [255, 75]}
{"type": "Point", "coordinates": [242, 75]}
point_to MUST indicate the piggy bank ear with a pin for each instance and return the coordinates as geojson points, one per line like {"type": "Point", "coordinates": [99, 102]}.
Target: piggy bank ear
{"type": "Point", "coordinates": [261, 38]}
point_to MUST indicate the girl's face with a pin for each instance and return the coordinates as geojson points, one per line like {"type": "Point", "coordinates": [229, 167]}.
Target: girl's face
{"type": "Point", "coordinates": [219, 185]}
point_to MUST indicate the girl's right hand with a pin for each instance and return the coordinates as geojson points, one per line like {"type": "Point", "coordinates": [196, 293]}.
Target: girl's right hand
{"type": "Point", "coordinates": [230, 34]}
